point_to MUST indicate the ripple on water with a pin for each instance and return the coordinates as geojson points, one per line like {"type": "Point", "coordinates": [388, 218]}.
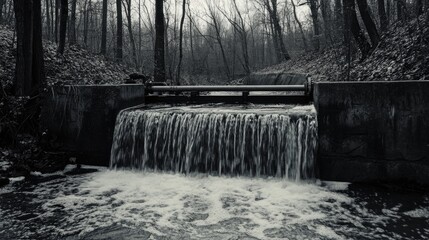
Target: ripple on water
{"type": "Point", "coordinates": [121, 205]}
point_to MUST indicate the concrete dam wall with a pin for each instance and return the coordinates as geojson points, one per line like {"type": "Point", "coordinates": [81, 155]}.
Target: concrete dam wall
{"type": "Point", "coordinates": [373, 131]}
{"type": "Point", "coordinates": [80, 120]}
{"type": "Point", "coordinates": [368, 131]}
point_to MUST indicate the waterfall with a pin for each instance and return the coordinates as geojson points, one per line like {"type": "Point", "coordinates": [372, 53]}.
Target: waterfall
{"type": "Point", "coordinates": [266, 141]}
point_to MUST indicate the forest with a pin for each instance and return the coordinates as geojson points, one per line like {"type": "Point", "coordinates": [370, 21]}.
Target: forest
{"type": "Point", "coordinates": [204, 40]}
{"type": "Point", "coordinates": [123, 119]}
{"type": "Point", "coordinates": [58, 42]}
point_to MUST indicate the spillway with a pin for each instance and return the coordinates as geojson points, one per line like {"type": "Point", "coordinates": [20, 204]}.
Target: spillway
{"type": "Point", "coordinates": [249, 140]}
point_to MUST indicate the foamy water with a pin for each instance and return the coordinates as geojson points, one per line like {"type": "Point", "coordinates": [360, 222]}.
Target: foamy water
{"type": "Point", "coordinates": [124, 205]}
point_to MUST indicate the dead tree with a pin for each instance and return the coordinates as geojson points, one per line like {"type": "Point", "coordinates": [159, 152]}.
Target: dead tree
{"type": "Point", "coordinates": [304, 40]}
{"type": "Point", "coordinates": [127, 8]}
{"type": "Point", "coordinates": [352, 24]}
{"type": "Point", "coordinates": [339, 19]}
{"type": "Point", "coordinates": [272, 10]}
{"type": "Point", "coordinates": [48, 19]}
{"type": "Point", "coordinates": [399, 13]}
{"type": "Point", "coordinates": [240, 28]}
{"type": "Point", "coordinates": [316, 25]}
{"type": "Point", "coordinates": [29, 70]}
{"type": "Point", "coordinates": [217, 26]}
{"type": "Point", "coordinates": [382, 14]}
{"type": "Point", "coordinates": [325, 7]}
{"type": "Point", "coordinates": [182, 21]}
{"type": "Point", "coordinates": [72, 25]}
{"type": "Point", "coordinates": [57, 18]}
{"type": "Point", "coordinates": [63, 26]}
{"type": "Point", "coordinates": [103, 49]}
{"type": "Point", "coordinates": [119, 31]}
{"type": "Point", "coordinates": [2, 2]}
{"type": "Point", "coordinates": [419, 7]}
{"type": "Point", "coordinates": [159, 58]}
{"type": "Point", "coordinates": [369, 23]}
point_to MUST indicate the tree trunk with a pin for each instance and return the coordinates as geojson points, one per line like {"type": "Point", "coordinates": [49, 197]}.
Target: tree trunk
{"type": "Point", "coordinates": [38, 80]}
{"type": "Point", "coordinates": [87, 7]}
{"type": "Point", "coordinates": [241, 30]}
{"type": "Point", "coordinates": [2, 2]}
{"type": "Point", "coordinates": [182, 21]}
{"type": "Point", "coordinates": [24, 57]}
{"type": "Point", "coordinates": [57, 7]}
{"type": "Point", "coordinates": [275, 41]}
{"type": "Point", "coordinates": [48, 20]}
{"type": "Point", "coordinates": [419, 7]}
{"type": "Point", "coordinates": [316, 24]}
{"type": "Point", "coordinates": [279, 33]}
{"type": "Point", "coordinates": [358, 34]}
{"type": "Point", "coordinates": [104, 28]}
{"type": "Point", "coordinates": [119, 31]}
{"type": "Point", "coordinates": [127, 6]}
{"type": "Point", "coordinates": [326, 15]}
{"type": "Point", "coordinates": [140, 57]}
{"type": "Point", "coordinates": [213, 16]}
{"type": "Point", "coordinates": [347, 34]}
{"type": "Point", "coordinates": [191, 43]}
{"type": "Point", "coordinates": [369, 23]}
{"type": "Point", "coordinates": [382, 14]}
{"type": "Point", "coordinates": [388, 12]}
{"type": "Point", "coordinates": [339, 19]}
{"type": "Point", "coordinates": [72, 27]}
{"type": "Point", "coordinates": [399, 10]}
{"type": "Point", "coordinates": [53, 19]}
{"type": "Point", "coordinates": [29, 59]}
{"type": "Point", "coordinates": [159, 58]}
{"type": "Point", "coordinates": [63, 26]}
{"type": "Point", "coordinates": [304, 40]}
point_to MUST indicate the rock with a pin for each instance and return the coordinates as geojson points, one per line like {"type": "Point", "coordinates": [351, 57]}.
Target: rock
{"type": "Point", "coordinates": [4, 181]}
{"type": "Point", "coordinates": [79, 170]}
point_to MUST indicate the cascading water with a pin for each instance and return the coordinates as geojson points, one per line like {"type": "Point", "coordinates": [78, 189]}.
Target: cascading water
{"type": "Point", "coordinates": [253, 141]}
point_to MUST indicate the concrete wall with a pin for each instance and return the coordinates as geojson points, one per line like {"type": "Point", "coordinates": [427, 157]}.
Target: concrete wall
{"type": "Point", "coordinates": [81, 119]}
{"type": "Point", "coordinates": [373, 131]}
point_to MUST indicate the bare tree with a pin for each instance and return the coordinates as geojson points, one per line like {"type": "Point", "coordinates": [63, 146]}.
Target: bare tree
{"type": "Point", "coordinates": [119, 31]}
{"type": "Point", "coordinates": [217, 26]}
{"type": "Point", "coordinates": [350, 18]}
{"type": "Point", "coordinates": [103, 49]}
{"type": "Point", "coordinates": [325, 7]}
{"type": "Point", "coordinates": [369, 23]}
{"type": "Point", "coordinates": [240, 28]}
{"type": "Point", "coordinates": [57, 18]}
{"type": "Point", "coordinates": [159, 59]}
{"type": "Point", "coordinates": [127, 8]}
{"type": "Point", "coordinates": [419, 7]}
{"type": "Point", "coordinates": [272, 9]}
{"type": "Point", "coordinates": [316, 25]}
{"type": "Point", "coordinates": [29, 59]}
{"type": "Point", "coordinates": [339, 19]}
{"type": "Point", "coordinates": [2, 3]}
{"type": "Point", "coordinates": [182, 21]}
{"type": "Point", "coordinates": [72, 26]}
{"type": "Point", "coordinates": [48, 19]}
{"type": "Point", "coordinates": [382, 14]}
{"type": "Point", "coordinates": [304, 40]}
{"type": "Point", "coordinates": [63, 25]}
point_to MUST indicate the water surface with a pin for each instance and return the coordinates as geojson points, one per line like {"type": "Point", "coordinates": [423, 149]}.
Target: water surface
{"type": "Point", "coordinates": [146, 205]}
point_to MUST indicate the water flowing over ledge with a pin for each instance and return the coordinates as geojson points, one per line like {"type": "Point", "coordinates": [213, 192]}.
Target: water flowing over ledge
{"type": "Point", "coordinates": [274, 140]}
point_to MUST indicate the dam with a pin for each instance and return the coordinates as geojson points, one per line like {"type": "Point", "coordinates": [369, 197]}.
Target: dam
{"type": "Point", "coordinates": [236, 170]}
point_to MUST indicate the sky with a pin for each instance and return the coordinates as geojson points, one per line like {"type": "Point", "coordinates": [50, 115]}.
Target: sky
{"type": "Point", "coordinates": [199, 7]}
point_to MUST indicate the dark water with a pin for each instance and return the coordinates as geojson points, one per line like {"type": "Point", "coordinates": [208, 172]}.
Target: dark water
{"type": "Point", "coordinates": [145, 205]}
{"type": "Point", "coordinates": [249, 140]}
